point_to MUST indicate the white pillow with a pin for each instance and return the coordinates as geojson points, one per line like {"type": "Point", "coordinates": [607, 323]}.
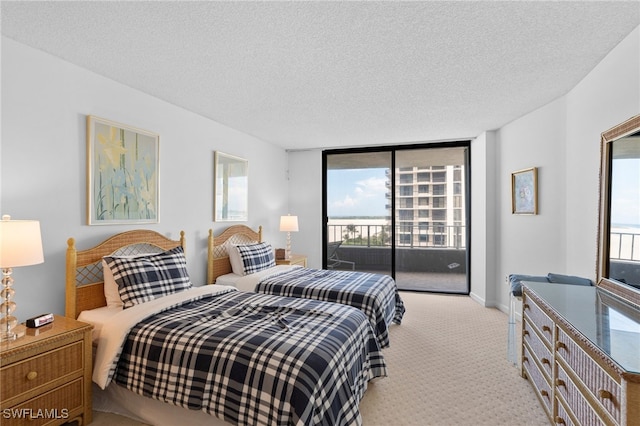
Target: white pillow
{"type": "Point", "coordinates": [237, 265]}
{"type": "Point", "coordinates": [110, 287]}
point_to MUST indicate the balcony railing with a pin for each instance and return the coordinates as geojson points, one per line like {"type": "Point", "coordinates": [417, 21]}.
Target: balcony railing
{"type": "Point", "coordinates": [624, 246]}
{"type": "Point", "coordinates": [407, 235]}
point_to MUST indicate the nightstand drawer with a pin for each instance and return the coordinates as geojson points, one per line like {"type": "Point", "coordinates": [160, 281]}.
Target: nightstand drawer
{"type": "Point", "coordinates": [296, 259]}
{"type": "Point", "coordinates": [54, 407]}
{"type": "Point", "coordinates": [38, 371]}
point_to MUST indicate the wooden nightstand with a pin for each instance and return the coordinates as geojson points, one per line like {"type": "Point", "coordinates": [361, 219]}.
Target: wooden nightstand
{"type": "Point", "coordinates": [45, 375]}
{"type": "Point", "coordinates": [296, 259]}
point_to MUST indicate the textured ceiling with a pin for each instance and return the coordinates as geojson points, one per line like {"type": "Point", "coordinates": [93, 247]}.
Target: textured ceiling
{"type": "Point", "coordinates": [328, 74]}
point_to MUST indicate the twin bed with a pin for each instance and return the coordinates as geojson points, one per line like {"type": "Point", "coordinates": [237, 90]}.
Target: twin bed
{"type": "Point", "coordinates": [374, 294]}
{"type": "Point", "coordinates": [168, 352]}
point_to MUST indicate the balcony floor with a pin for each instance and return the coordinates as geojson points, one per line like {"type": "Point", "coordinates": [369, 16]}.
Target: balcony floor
{"type": "Point", "coordinates": [428, 281]}
{"type": "Point", "coordinates": [432, 281]}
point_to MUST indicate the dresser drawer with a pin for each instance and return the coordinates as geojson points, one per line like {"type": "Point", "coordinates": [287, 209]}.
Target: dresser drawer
{"type": "Point", "coordinates": [41, 370]}
{"type": "Point", "coordinates": [539, 318]}
{"type": "Point", "coordinates": [576, 402]}
{"type": "Point", "coordinates": [540, 350]}
{"type": "Point", "coordinates": [57, 406]}
{"type": "Point", "coordinates": [604, 388]}
{"type": "Point", "coordinates": [538, 380]}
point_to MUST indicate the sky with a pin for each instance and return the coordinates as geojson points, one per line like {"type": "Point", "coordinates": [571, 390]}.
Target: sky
{"type": "Point", "coordinates": [361, 192]}
{"type": "Point", "coordinates": [356, 192]}
{"type": "Point", "coordinates": [625, 204]}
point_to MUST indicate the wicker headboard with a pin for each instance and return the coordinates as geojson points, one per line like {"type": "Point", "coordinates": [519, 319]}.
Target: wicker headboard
{"type": "Point", "coordinates": [217, 257]}
{"type": "Point", "coordinates": [84, 282]}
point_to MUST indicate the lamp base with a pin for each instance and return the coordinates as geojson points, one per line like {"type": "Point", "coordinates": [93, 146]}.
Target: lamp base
{"type": "Point", "coordinates": [8, 337]}
{"type": "Point", "coordinates": [287, 253]}
{"type": "Point", "coordinates": [17, 333]}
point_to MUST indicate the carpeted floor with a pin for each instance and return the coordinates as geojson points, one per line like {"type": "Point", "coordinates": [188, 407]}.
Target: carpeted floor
{"type": "Point", "coordinates": [447, 366]}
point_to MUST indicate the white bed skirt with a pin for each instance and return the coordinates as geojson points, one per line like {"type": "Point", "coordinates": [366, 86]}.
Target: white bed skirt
{"type": "Point", "coordinates": [118, 400]}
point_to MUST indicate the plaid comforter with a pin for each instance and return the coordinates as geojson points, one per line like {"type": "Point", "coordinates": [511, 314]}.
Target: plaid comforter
{"type": "Point", "coordinates": [375, 294]}
{"type": "Point", "coordinates": [254, 359]}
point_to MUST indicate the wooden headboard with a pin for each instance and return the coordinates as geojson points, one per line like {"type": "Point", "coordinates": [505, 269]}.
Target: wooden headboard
{"type": "Point", "coordinates": [217, 257]}
{"type": "Point", "coordinates": [84, 279]}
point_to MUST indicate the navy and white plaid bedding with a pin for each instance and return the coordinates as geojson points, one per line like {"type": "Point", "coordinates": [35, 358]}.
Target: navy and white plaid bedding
{"type": "Point", "coordinates": [144, 278]}
{"type": "Point", "coordinates": [254, 359]}
{"type": "Point", "coordinates": [256, 257]}
{"type": "Point", "coordinates": [375, 294]}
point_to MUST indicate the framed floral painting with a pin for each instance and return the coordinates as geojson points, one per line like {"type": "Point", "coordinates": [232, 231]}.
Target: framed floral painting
{"type": "Point", "coordinates": [122, 173]}
{"type": "Point", "coordinates": [524, 191]}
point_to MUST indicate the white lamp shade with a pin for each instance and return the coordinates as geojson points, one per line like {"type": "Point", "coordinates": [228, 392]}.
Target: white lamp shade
{"type": "Point", "coordinates": [289, 223]}
{"type": "Point", "coordinates": [20, 243]}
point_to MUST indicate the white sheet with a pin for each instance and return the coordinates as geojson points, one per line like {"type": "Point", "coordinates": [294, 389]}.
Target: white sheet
{"type": "Point", "coordinates": [249, 282]}
{"type": "Point", "coordinates": [98, 317]}
{"type": "Point", "coordinates": [114, 332]}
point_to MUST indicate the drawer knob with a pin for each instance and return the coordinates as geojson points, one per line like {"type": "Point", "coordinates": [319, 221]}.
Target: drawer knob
{"type": "Point", "coordinates": [559, 420]}
{"type": "Point", "coordinates": [559, 382]}
{"type": "Point", "coordinates": [546, 361]}
{"type": "Point", "coordinates": [605, 394]}
{"type": "Point", "coordinates": [31, 375]}
{"type": "Point", "coordinates": [546, 328]}
{"type": "Point", "coordinates": [544, 393]}
{"type": "Point", "coordinates": [561, 345]}
{"type": "Point", "coordinates": [525, 333]}
{"type": "Point", "coordinates": [525, 306]}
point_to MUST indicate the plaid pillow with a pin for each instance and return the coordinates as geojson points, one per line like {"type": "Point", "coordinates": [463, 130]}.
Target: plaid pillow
{"type": "Point", "coordinates": [256, 257]}
{"type": "Point", "coordinates": [144, 278]}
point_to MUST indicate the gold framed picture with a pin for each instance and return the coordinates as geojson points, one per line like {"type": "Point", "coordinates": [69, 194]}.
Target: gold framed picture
{"type": "Point", "coordinates": [524, 191]}
{"type": "Point", "coordinates": [122, 174]}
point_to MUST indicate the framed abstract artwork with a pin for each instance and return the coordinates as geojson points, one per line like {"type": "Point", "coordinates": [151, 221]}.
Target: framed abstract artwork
{"type": "Point", "coordinates": [122, 174]}
{"type": "Point", "coordinates": [524, 191]}
{"type": "Point", "coordinates": [231, 188]}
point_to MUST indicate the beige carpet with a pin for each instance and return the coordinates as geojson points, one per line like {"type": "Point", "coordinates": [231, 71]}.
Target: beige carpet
{"type": "Point", "coordinates": [447, 366]}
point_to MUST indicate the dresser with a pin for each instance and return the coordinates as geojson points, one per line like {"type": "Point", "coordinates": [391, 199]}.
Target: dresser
{"type": "Point", "coordinates": [45, 375]}
{"type": "Point", "coordinates": [581, 353]}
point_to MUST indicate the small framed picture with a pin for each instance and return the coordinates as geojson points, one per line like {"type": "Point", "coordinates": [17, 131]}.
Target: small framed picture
{"type": "Point", "coordinates": [122, 174]}
{"type": "Point", "coordinates": [524, 191]}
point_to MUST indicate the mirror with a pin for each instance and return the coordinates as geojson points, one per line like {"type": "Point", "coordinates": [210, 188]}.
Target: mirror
{"type": "Point", "coordinates": [231, 187]}
{"type": "Point", "coordinates": [618, 266]}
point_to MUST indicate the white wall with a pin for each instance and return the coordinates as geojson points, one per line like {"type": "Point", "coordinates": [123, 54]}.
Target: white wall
{"type": "Point", "coordinates": [45, 101]}
{"type": "Point", "coordinates": [563, 140]}
{"type": "Point", "coordinates": [607, 96]}
{"type": "Point", "coordinates": [305, 200]}
{"type": "Point", "coordinates": [483, 219]}
{"type": "Point", "coordinates": [532, 244]}
{"type": "Point", "coordinates": [43, 172]}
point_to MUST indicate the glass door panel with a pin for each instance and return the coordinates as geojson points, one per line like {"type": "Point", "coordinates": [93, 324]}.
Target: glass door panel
{"type": "Point", "coordinates": [358, 211]}
{"type": "Point", "coordinates": [431, 219]}
{"type": "Point", "coordinates": [401, 211]}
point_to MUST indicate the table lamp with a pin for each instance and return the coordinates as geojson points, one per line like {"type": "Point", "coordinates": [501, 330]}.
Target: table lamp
{"type": "Point", "coordinates": [288, 224]}
{"type": "Point", "coordinates": [20, 245]}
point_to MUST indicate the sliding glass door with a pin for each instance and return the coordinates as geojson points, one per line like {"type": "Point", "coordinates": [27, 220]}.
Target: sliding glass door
{"type": "Point", "coordinates": [358, 221]}
{"type": "Point", "coordinates": [402, 211]}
